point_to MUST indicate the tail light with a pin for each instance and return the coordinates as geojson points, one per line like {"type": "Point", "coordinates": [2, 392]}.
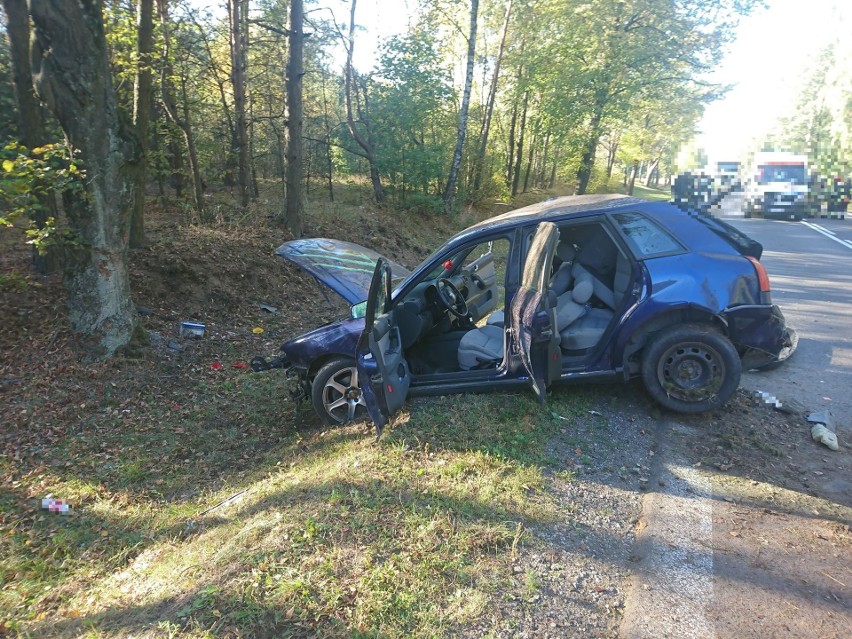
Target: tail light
{"type": "Point", "coordinates": [762, 279]}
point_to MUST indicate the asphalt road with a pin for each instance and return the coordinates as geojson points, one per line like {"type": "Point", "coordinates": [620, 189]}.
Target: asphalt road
{"type": "Point", "coordinates": [810, 270]}
{"type": "Point", "coordinates": [724, 556]}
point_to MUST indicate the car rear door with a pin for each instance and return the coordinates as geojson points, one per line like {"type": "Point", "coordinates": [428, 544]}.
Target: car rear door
{"type": "Point", "coordinates": [532, 312]}
{"type": "Point", "coordinates": [384, 373]}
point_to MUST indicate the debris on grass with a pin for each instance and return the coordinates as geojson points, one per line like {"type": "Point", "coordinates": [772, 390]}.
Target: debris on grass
{"type": "Point", "coordinates": [822, 417]}
{"type": "Point", "coordinates": [824, 436]}
{"type": "Point", "coordinates": [192, 330]}
{"type": "Point", "coordinates": [55, 505]}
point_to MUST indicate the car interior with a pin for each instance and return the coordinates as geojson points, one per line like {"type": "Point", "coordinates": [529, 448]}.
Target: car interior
{"type": "Point", "coordinates": [453, 320]}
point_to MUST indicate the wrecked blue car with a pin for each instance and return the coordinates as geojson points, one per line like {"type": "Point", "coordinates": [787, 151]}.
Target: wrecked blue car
{"type": "Point", "coordinates": [573, 289]}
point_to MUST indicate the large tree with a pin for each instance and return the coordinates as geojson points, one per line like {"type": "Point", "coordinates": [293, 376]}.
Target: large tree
{"type": "Point", "coordinates": [237, 10]}
{"type": "Point", "coordinates": [295, 192]}
{"type": "Point", "coordinates": [455, 164]}
{"type": "Point", "coordinates": [142, 112]}
{"type": "Point", "coordinates": [361, 127]}
{"type": "Point", "coordinates": [73, 77]}
{"type": "Point", "coordinates": [30, 116]}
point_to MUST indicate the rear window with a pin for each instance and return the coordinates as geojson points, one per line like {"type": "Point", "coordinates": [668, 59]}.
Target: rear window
{"type": "Point", "coordinates": [735, 238]}
{"type": "Point", "coordinates": [646, 238]}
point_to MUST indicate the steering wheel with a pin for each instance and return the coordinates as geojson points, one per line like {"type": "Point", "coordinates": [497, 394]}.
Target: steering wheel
{"type": "Point", "coordinates": [451, 298]}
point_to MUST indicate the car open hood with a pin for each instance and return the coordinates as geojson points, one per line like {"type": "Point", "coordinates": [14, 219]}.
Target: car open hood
{"type": "Point", "coordinates": [345, 268]}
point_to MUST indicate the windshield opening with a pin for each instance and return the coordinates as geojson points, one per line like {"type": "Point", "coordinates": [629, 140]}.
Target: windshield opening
{"type": "Point", "coordinates": [794, 173]}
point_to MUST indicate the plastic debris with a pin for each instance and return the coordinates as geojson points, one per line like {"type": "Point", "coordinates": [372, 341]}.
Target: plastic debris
{"type": "Point", "coordinates": [769, 399]}
{"type": "Point", "coordinates": [822, 417]}
{"type": "Point", "coordinates": [239, 365]}
{"type": "Point", "coordinates": [56, 505]}
{"type": "Point", "coordinates": [557, 416]}
{"type": "Point", "coordinates": [216, 366]}
{"type": "Point", "coordinates": [268, 308]}
{"type": "Point", "coordinates": [824, 436]}
{"type": "Point", "coordinates": [257, 330]}
{"type": "Point", "coordinates": [192, 329]}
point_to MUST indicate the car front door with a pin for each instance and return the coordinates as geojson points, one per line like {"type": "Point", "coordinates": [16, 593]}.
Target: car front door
{"type": "Point", "coordinates": [380, 358]}
{"type": "Point", "coordinates": [532, 312]}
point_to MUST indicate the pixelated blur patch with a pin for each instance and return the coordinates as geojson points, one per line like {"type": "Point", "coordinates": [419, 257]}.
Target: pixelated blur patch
{"type": "Point", "coordinates": [56, 505]}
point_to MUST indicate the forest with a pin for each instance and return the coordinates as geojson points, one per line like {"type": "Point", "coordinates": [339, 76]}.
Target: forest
{"type": "Point", "coordinates": [107, 103]}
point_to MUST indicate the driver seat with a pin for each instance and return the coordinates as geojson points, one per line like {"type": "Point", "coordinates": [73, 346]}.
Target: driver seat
{"type": "Point", "coordinates": [481, 346]}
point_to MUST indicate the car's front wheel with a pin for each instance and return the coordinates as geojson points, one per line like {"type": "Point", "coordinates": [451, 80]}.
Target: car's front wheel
{"type": "Point", "coordinates": [691, 368]}
{"type": "Point", "coordinates": [336, 392]}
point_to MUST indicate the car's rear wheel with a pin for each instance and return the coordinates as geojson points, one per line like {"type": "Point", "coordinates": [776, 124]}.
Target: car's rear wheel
{"type": "Point", "coordinates": [336, 392]}
{"type": "Point", "coordinates": [691, 368]}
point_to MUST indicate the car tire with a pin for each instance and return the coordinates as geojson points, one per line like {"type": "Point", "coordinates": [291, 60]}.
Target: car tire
{"type": "Point", "coordinates": [330, 386]}
{"type": "Point", "coordinates": [691, 368]}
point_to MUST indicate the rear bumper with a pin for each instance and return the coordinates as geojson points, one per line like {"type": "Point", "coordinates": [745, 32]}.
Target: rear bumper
{"type": "Point", "coordinates": [761, 334]}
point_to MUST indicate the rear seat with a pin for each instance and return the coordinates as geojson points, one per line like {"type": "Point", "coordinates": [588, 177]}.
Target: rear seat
{"type": "Point", "coordinates": [587, 330]}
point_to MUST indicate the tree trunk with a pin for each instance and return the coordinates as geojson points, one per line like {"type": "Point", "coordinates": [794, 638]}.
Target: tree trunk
{"type": "Point", "coordinates": [189, 138]}
{"type": "Point", "coordinates": [170, 108]}
{"type": "Point", "coordinates": [489, 107]}
{"type": "Point", "coordinates": [238, 79]}
{"type": "Point", "coordinates": [328, 161]}
{"type": "Point", "coordinates": [652, 171]}
{"type": "Point", "coordinates": [610, 160]}
{"type": "Point", "coordinates": [450, 189]}
{"type": "Point", "coordinates": [30, 114]}
{"type": "Point", "coordinates": [142, 114]}
{"type": "Point", "coordinates": [176, 163]}
{"type": "Point", "coordinates": [587, 160]}
{"type": "Point", "coordinates": [74, 79]}
{"type": "Point", "coordinates": [633, 175]}
{"type": "Point", "coordinates": [530, 156]}
{"type": "Point", "coordinates": [520, 152]}
{"type": "Point", "coordinates": [510, 161]}
{"type": "Point", "coordinates": [553, 170]}
{"type": "Point", "coordinates": [542, 167]}
{"type": "Point", "coordinates": [365, 144]}
{"type": "Point", "coordinates": [295, 195]}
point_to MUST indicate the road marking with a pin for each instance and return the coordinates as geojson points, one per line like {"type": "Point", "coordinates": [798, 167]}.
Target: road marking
{"type": "Point", "coordinates": [828, 234]}
{"type": "Point", "coordinates": [673, 583]}
{"type": "Point", "coordinates": [820, 226]}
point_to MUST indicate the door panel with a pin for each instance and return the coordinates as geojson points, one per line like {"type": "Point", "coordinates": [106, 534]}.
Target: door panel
{"type": "Point", "coordinates": [381, 361]}
{"type": "Point", "coordinates": [531, 312]}
{"type": "Point", "coordinates": [481, 281]}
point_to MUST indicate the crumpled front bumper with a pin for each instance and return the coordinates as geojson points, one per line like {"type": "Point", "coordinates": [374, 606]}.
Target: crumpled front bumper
{"type": "Point", "coordinates": [761, 334]}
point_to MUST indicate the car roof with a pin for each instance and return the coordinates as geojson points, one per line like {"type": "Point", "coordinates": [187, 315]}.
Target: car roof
{"type": "Point", "coordinates": [688, 231]}
{"type": "Point", "coordinates": [568, 205]}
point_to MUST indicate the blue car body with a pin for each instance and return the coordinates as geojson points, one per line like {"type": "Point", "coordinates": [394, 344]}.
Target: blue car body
{"type": "Point", "coordinates": [675, 268]}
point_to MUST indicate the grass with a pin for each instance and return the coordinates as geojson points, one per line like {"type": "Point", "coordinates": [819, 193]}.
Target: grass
{"type": "Point", "coordinates": [335, 534]}
{"type": "Point", "coordinates": [639, 190]}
